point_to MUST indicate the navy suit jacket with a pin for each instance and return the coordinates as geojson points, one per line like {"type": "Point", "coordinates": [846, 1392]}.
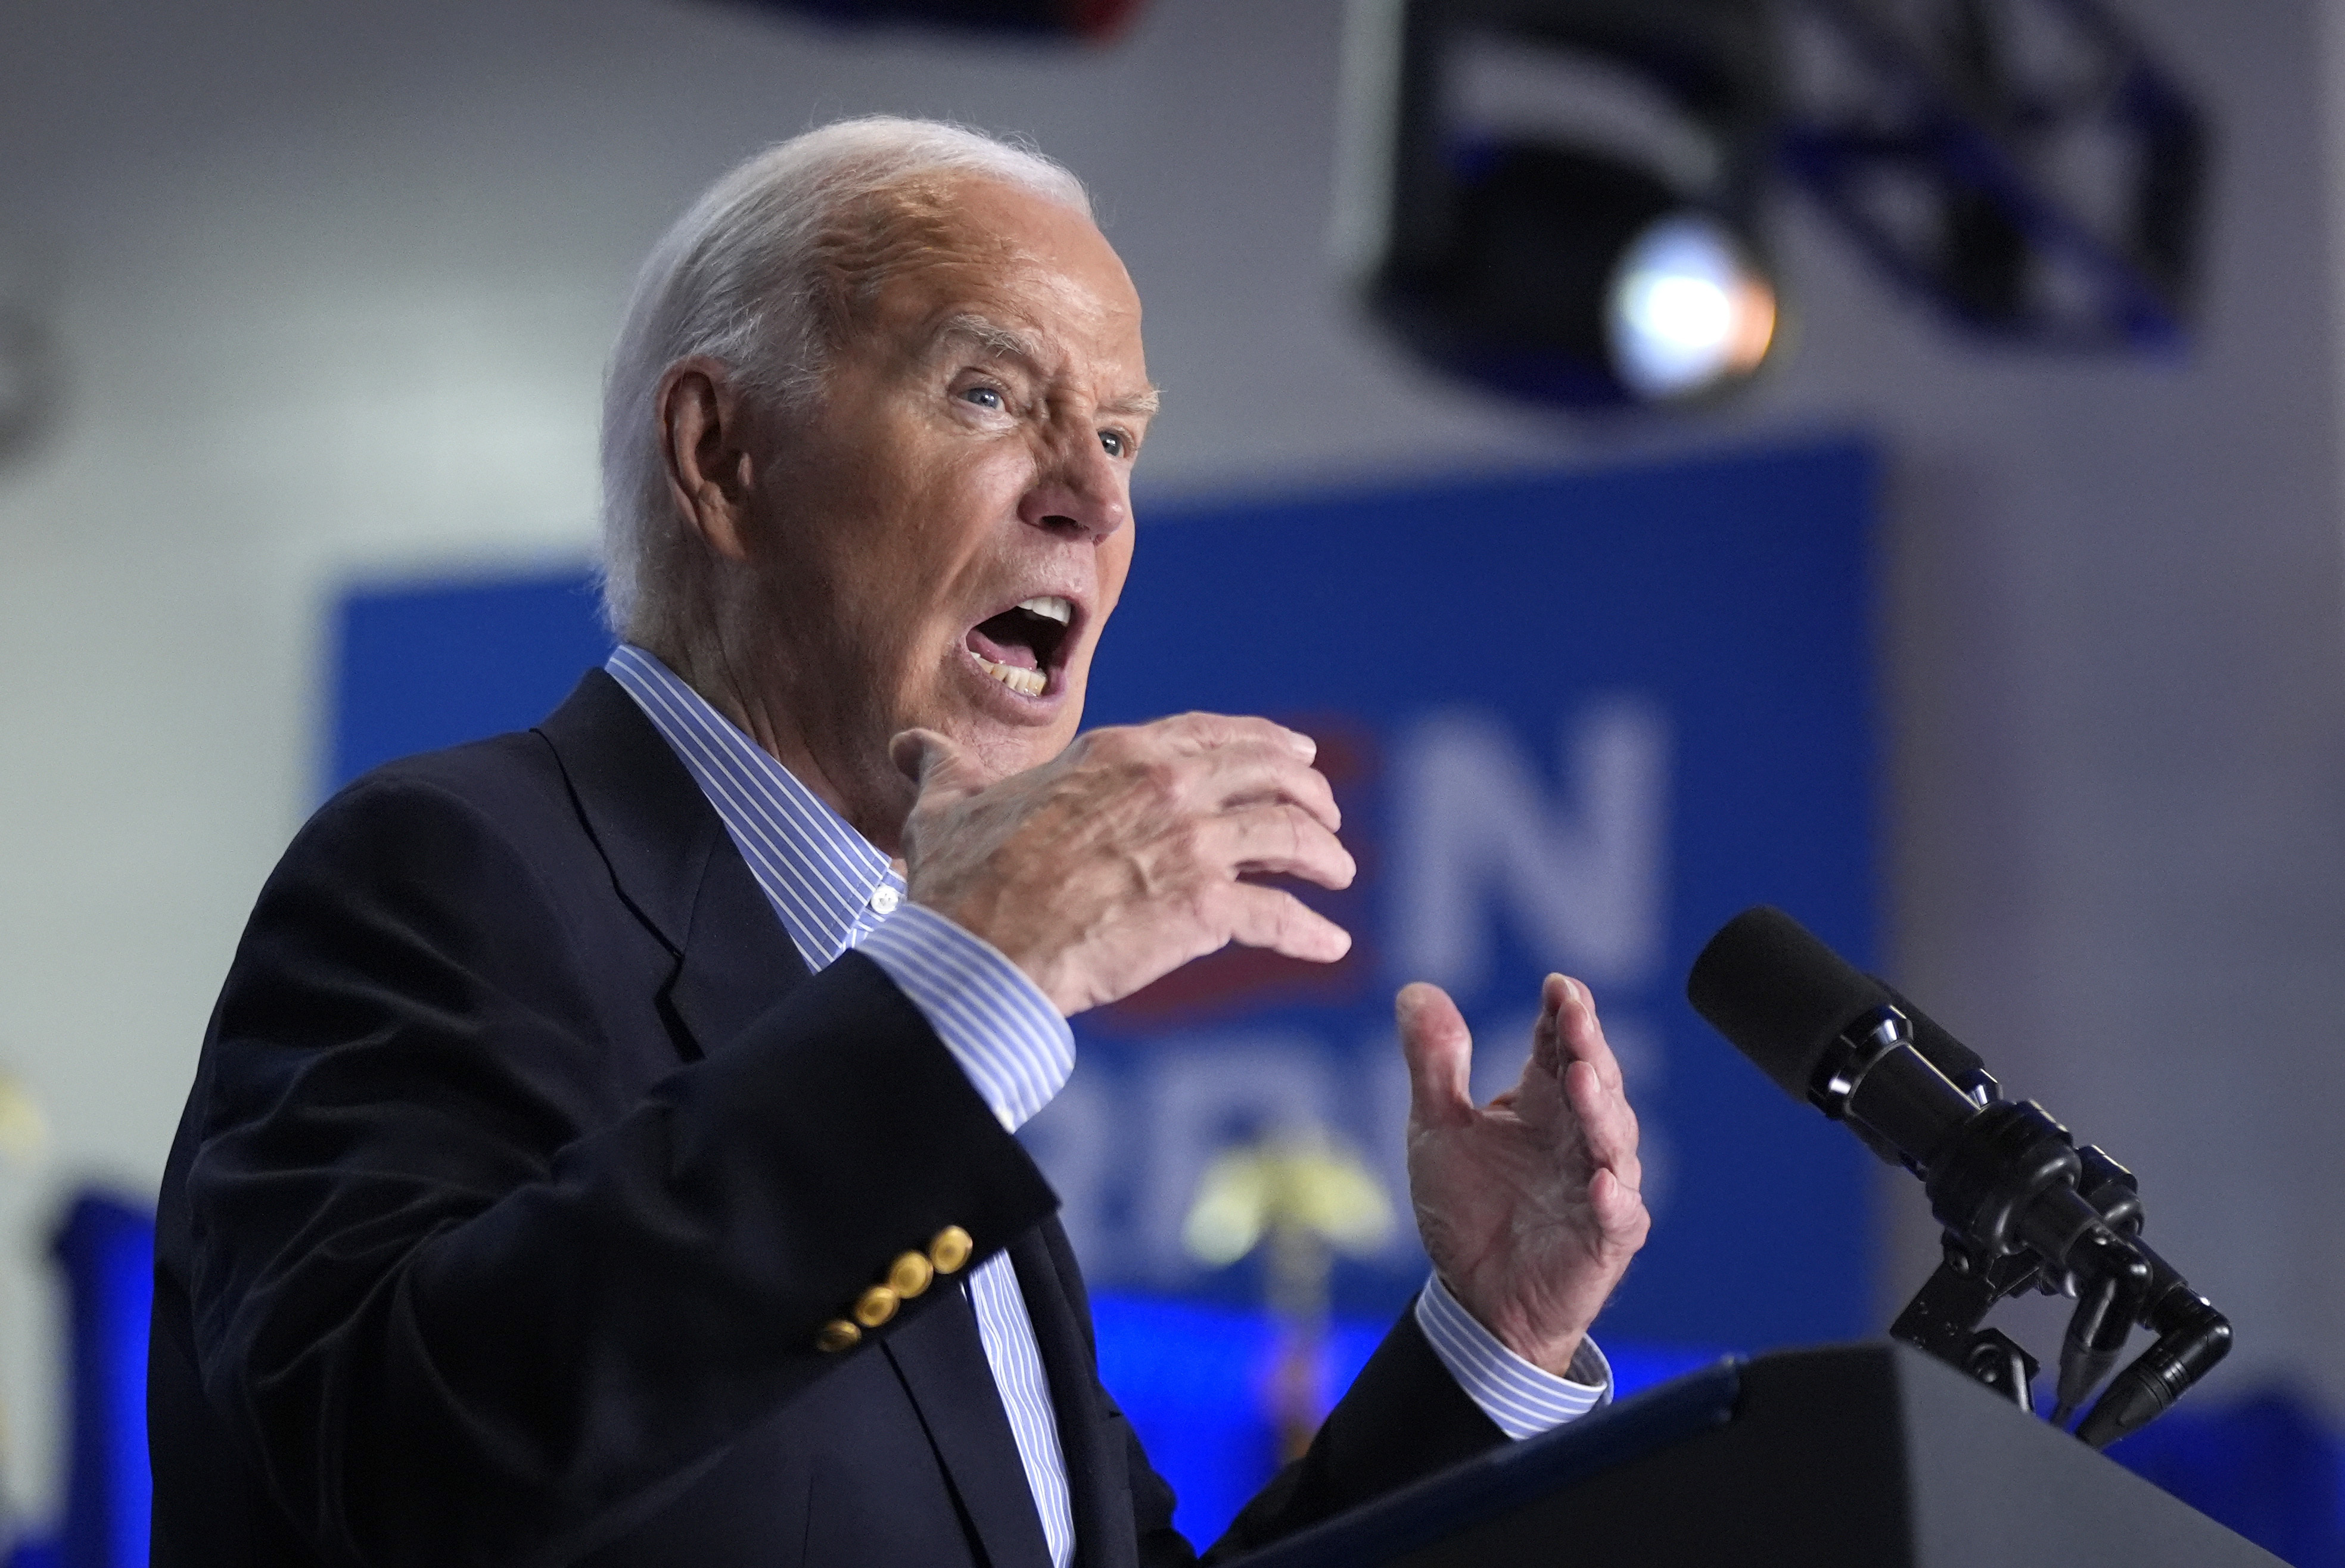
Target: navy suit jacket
{"type": "Point", "coordinates": [524, 1160]}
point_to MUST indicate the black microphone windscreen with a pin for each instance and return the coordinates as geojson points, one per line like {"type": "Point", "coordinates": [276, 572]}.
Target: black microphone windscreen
{"type": "Point", "coordinates": [1777, 995]}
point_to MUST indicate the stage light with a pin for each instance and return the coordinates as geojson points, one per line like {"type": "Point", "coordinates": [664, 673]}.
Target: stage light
{"type": "Point", "coordinates": [1560, 198]}
{"type": "Point", "coordinates": [1555, 199]}
{"type": "Point", "coordinates": [1688, 310]}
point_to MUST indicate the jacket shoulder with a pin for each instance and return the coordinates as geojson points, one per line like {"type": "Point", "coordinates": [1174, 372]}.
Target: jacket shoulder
{"type": "Point", "coordinates": [519, 787]}
{"type": "Point", "coordinates": [502, 776]}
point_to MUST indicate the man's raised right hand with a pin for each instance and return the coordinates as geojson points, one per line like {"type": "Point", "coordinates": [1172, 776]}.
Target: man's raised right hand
{"type": "Point", "coordinates": [1125, 857]}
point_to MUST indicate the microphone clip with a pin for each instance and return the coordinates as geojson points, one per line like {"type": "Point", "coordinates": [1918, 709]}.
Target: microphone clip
{"type": "Point", "coordinates": [2117, 1279]}
{"type": "Point", "coordinates": [1945, 1315]}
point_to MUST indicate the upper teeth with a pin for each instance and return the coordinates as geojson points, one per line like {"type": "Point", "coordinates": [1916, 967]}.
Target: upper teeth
{"type": "Point", "coordinates": [1050, 605]}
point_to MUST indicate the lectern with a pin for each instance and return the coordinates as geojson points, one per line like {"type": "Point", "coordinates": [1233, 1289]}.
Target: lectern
{"type": "Point", "coordinates": [1867, 1456]}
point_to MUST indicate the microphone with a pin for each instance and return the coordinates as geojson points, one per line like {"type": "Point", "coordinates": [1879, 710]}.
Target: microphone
{"type": "Point", "coordinates": [1835, 1037]}
{"type": "Point", "coordinates": [2004, 1179]}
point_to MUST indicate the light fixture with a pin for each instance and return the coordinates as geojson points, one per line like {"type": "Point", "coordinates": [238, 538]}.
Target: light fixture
{"type": "Point", "coordinates": [1557, 198]}
{"type": "Point", "coordinates": [1686, 309]}
{"type": "Point", "coordinates": [1560, 198]}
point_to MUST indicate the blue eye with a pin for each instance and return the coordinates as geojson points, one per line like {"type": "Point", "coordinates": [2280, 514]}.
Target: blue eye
{"type": "Point", "coordinates": [984, 397]}
{"type": "Point", "coordinates": [1115, 443]}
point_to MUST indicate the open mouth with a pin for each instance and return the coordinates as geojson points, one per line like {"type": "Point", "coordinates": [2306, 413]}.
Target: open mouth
{"type": "Point", "coordinates": [1021, 646]}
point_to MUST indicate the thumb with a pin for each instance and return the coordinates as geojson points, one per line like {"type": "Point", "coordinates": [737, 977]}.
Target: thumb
{"type": "Point", "coordinates": [936, 763]}
{"type": "Point", "coordinates": [1439, 1050]}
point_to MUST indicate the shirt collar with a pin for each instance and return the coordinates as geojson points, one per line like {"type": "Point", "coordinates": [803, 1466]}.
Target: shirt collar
{"type": "Point", "coordinates": [823, 878]}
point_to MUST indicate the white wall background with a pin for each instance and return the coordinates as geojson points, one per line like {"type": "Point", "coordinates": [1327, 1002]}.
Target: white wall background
{"type": "Point", "coordinates": [334, 283]}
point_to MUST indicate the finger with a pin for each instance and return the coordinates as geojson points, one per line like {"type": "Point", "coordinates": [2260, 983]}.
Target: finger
{"type": "Point", "coordinates": [1271, 917]}
{"type": "Point", "coordinates": [1620, 1211]}
{"type": "Point", "coordinates": [1245, 769]}
{"type": "Point", "coordinates": [943, 771]}
{"type": "Point", "coordinates": [1608, 1126]}
{"type": "Point", "coordinates": [1189, 733]}
{"type": "Point", "coordinates": [1241, 775]}
{"type": "Point", "coordinates": [1547, 1045]}
{"type": "Point", "coordinates": [1205, 760]}
{"type": "Point", "coordinates": [1581, 1034]}
{"type": "Point", "coordinates": [1276, 841]}
{"type": "Point", "coordinates": [1439, 1051]}
{"type": "Point", "coordinates": [1608, 1122]}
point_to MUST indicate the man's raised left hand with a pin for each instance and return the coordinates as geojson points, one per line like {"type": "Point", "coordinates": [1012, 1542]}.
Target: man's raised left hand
{"type": "Point", "coordinates": [1529, 1206]}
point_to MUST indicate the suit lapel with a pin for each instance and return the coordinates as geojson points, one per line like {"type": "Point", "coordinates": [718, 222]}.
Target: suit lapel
{"type": "Point", "coordinates": [1099, 1485]}
{"type": "Point", "coordinates": [941, 1360]}
{"type": "Point", "coordinates": [653, 826]}
{"type": "Point", "coordinates": [673, 864]}
{"type": "Point", "coordinates": [676, 867]}
{"type": "Point", "coordinates": [737, 960]}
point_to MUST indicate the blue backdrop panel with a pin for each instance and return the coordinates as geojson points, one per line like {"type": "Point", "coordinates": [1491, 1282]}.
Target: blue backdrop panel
{"type": "Point", "coordinates": [1574, 722]}
{"type": "Point", "coordinates": [417, 666]}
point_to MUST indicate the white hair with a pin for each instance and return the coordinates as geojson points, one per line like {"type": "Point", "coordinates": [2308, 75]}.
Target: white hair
{"type": "Point", "coordinates": [766, 274]}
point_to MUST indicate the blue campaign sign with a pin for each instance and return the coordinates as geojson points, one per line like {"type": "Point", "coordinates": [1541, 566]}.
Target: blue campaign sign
{"type": "Point", "coordinates": [422, 665]}
{"type": "Point", "coordinates": [1574, 722]}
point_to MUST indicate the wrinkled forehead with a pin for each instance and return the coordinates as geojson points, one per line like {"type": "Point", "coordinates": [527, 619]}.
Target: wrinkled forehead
{"type": "Point", "coordinates": [979, 264]}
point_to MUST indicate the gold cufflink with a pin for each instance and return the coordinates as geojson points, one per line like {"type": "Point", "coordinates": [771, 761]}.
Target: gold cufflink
{"type": "Point", "coordinates": [875, 1306]}
{"type": "Point", "coordinates": [837, 1335]}
{"type": "Point", "coordinates": [950, 1249]}
{"type": "Point", "coordinates": [909, 1275]}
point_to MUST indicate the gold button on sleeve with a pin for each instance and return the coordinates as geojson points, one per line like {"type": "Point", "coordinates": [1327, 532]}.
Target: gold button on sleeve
{"type": "Point", "coordinates": [875, 1306]}
{"type": "Point", "coordinates": [837, 1335]}
{"type": "Point", "coordinates": [909, 1275]}
{"type": "Point", "coordinates": [950, 1249]}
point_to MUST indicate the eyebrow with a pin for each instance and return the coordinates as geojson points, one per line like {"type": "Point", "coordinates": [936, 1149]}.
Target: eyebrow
{"type": "Point", "coordinates": [1002, 342]}
{"type": "Point", "coordinates": [1009, 343]}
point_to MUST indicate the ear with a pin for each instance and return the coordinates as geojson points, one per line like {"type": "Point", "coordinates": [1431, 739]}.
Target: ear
{"type": "Point", "coordinates": [703, 425]}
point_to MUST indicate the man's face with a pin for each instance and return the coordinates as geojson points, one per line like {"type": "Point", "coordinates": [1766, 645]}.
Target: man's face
{"type": "Point", "coordinates": [951, 527]}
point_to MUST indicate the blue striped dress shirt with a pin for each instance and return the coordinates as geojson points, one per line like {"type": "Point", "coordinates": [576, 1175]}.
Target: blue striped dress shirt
{"type": "Point", "coordinates": [833, 890]}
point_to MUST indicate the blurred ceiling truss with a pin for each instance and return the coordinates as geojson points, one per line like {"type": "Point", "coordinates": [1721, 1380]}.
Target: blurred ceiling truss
{"type": "Point", "coordinates": [2025, 163]}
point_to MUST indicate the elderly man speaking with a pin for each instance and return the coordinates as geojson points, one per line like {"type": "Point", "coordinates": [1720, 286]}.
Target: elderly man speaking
{"type": "Point", "coordinates": [601, 1150]}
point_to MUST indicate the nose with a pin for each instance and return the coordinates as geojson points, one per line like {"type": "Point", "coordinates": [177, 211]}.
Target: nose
{"type": "Point", "coordinates": [1079, 492]}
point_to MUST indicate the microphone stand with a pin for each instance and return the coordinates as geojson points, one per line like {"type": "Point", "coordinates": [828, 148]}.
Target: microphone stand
{"type": "Point", "coordinates": [2024, 1208]}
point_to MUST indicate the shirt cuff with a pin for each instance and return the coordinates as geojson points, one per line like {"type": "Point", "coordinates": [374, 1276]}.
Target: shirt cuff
{"type": "Point", "coordinates": [996, 1022]}
{"type": "Point", "coordinates": [1524, 1399]}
